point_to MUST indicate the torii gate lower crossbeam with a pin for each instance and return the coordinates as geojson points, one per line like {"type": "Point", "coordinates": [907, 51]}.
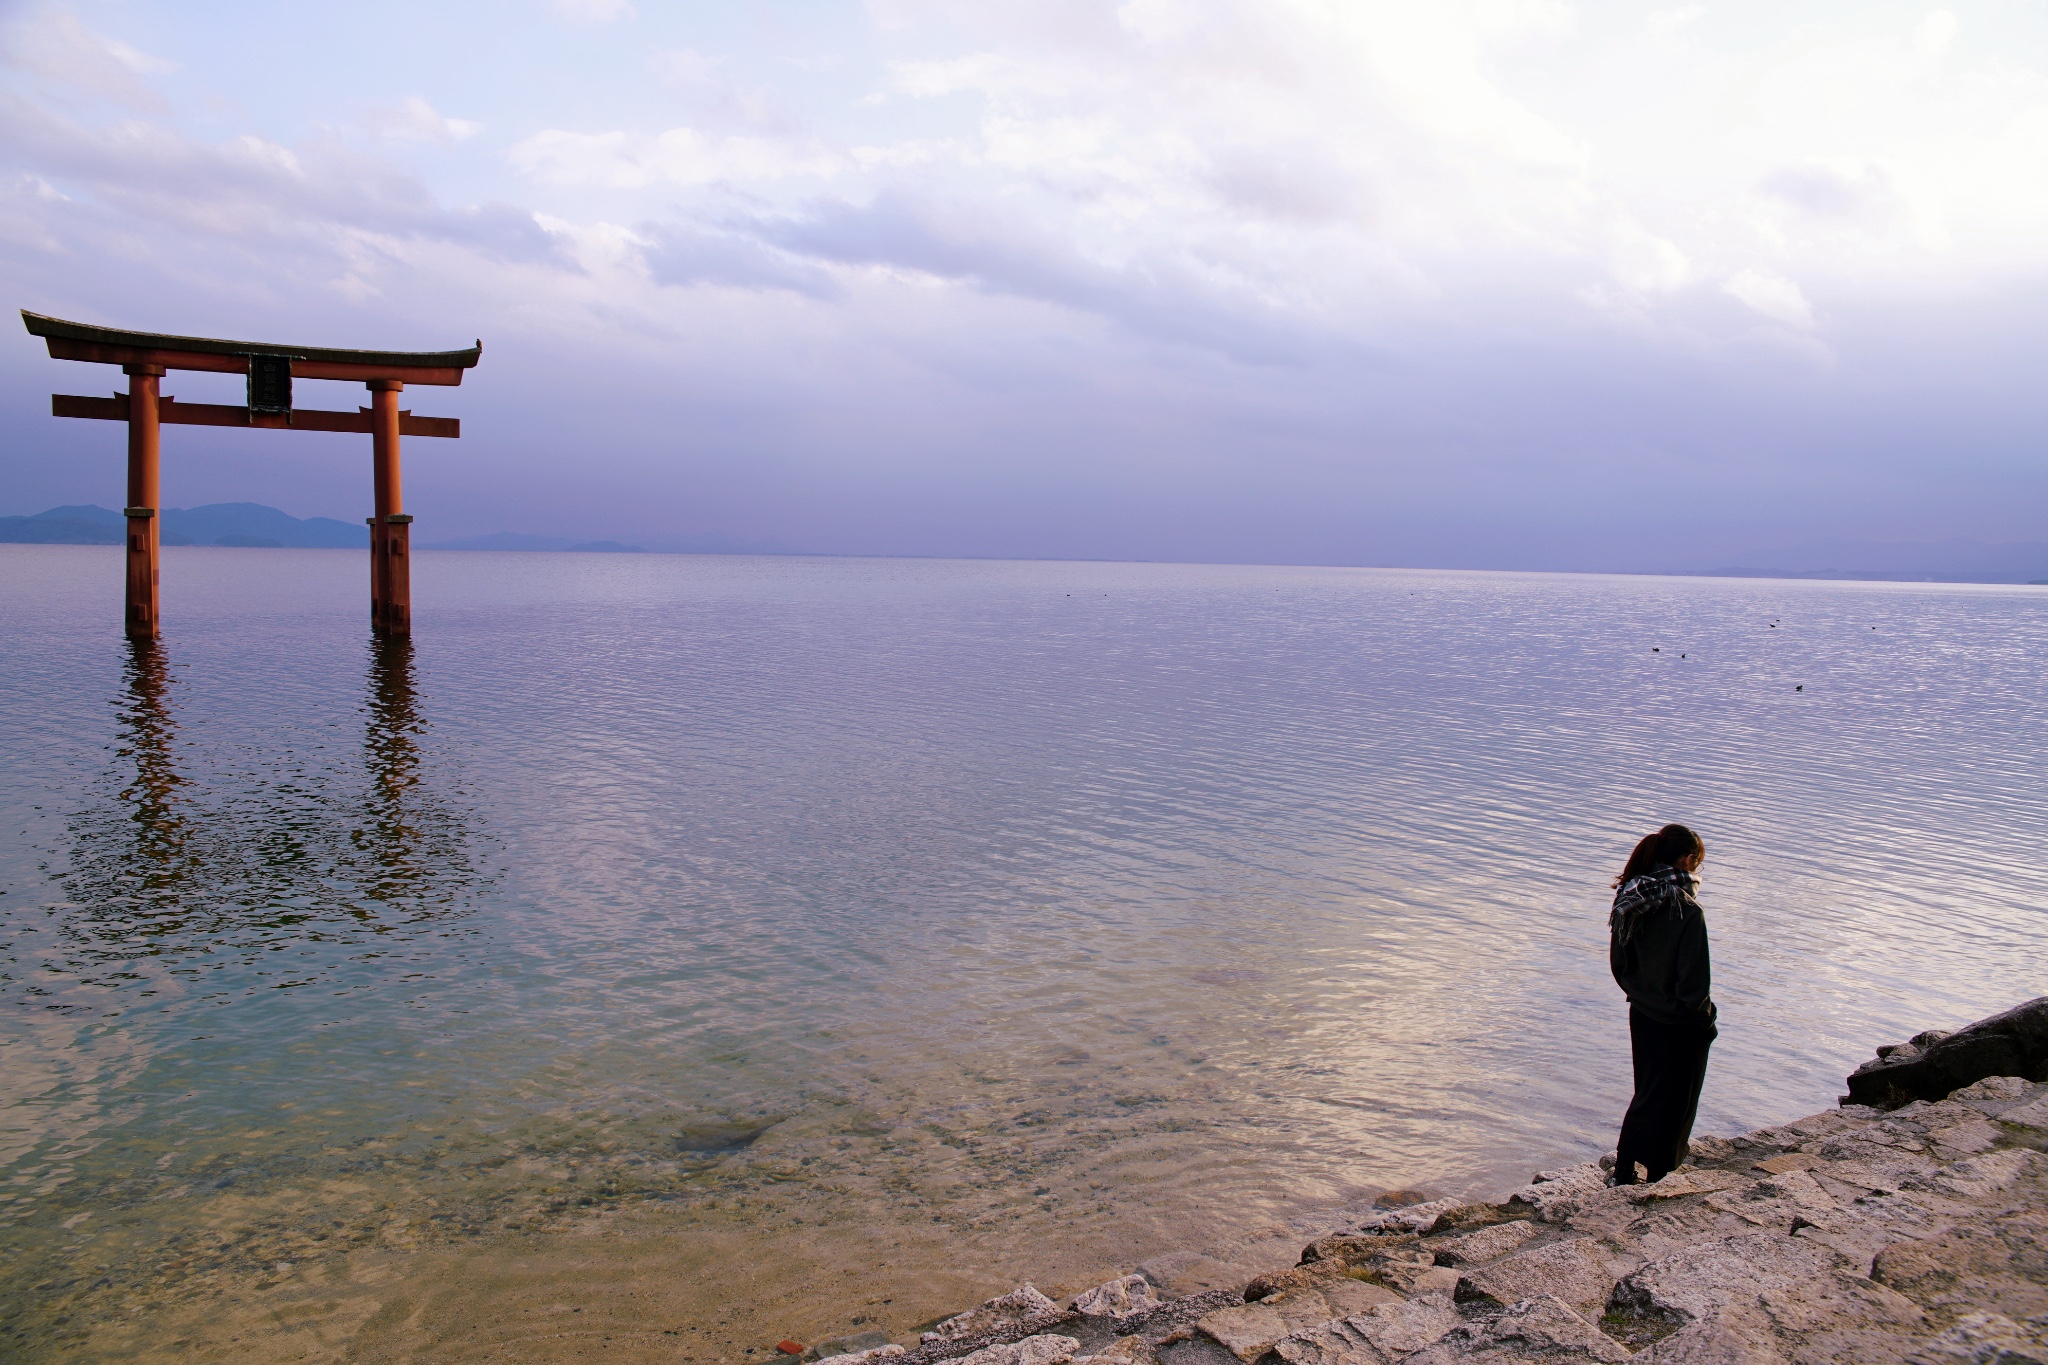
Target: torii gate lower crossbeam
{"type": "Point", "coordinates": [147, 356]}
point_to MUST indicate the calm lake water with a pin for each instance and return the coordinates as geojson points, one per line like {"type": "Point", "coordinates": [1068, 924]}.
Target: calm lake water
{"type": "Point", "coordinates": [734, 947]}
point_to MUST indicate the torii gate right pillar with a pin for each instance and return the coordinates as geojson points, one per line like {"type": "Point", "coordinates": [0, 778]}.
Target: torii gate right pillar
{"type": "Point", "coordinates": [391, 528]}
{"type": "Point", "coordinates": [144, 450]}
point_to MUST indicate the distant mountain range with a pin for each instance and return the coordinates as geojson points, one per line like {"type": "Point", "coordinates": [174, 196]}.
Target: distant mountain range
{"type": "Point", "coordinates": [247, 524]}
{"type": "Point", "coordinates": [251, 525]}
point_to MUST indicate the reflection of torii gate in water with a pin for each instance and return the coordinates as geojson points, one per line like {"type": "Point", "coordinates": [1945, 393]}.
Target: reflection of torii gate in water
{"type": "Point", "coordinates": [146, 356]}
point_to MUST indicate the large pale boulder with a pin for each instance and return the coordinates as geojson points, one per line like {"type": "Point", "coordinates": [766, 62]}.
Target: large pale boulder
{"type": "Point", "coordinates": [1118, 1298]}
{"type": "Point", "coordinates": [1013, 1309]}
{"type": "Point", "coordinates": [864, 1357]}
{"type": "Point", "coordinates": [1047, 1349]}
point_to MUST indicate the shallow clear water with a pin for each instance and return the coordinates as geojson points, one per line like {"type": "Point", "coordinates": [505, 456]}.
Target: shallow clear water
{"type": "Point", "coordinates": [1068, 912]}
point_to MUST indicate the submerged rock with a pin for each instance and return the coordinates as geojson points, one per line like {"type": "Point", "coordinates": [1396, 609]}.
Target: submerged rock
{"type": "Point", "coordinates": [1185, 1272]}
{"type": "Point", "coordinates": [853, 1344]}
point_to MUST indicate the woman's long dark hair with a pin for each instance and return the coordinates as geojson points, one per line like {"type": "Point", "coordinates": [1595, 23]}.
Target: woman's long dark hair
{"type": "Point", "coordinates": [1668, 847]}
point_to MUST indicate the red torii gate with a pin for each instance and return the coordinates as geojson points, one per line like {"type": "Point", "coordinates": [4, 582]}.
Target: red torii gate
{"type": "Point", "coordinates": [146, 356]}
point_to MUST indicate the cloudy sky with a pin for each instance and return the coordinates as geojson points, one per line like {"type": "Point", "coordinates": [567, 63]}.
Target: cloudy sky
{"type": "Point", "coordinates": [1498, 283]}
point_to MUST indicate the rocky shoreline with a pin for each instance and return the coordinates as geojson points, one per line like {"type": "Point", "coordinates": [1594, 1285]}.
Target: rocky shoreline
{"type": "Point", "coordinates": [1908, 1225]}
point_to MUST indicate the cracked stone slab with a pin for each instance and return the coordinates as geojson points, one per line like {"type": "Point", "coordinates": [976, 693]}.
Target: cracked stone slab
{"type": "Point", "coordinates": [1579, 1273]}
{"type": "Point", "coordinates": [1247, 1332]}
{"type": "Point", "coordinates": [1686, 1181]}
{"type": "Point", "coordinates": [1994, 1095]}
{"type": "Point", "coordinates": [1998, 1266]}
{"type": "Point", "coordinates": [1553, 1201]}
{"type": "Point", "coordinates": [1347, 1297]}
{"type": "Point", "coordinates": [2031, 1115]}
{"type": "Point", "coordinates": [1487, 1244]}
{"type": "Point", "coordinates": [1539, 1330]}
{"type": "Point", "coordinates": [1378, 1336]}
{"type": "Point", "coordinates": [1767, 1297]}
{"type": "Point", "coordinates": [1987, 1339]}
{"type": "Point", "coordinates": [1779, 1202]}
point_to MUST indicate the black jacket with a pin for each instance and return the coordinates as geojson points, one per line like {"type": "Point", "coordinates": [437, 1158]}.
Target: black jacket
{"type": "Point", "coordinates": [1657, 947]}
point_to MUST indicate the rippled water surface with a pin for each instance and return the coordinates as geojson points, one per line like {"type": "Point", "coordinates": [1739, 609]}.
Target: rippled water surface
{"type": "Point", "coordinates": [737, 946]}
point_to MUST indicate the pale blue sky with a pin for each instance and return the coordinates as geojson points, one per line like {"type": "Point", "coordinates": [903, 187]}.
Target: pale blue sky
{"type": "Point", "coordinates": [1503, 283]}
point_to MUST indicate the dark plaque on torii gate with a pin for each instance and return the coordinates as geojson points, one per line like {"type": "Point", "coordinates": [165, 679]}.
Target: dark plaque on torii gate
{"type": "Point", "coordinates": [145, 356]}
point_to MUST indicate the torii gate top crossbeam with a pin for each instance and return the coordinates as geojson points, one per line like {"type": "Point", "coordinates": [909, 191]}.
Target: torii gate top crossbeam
{"type": "Point", "coordinates": [110, 346]}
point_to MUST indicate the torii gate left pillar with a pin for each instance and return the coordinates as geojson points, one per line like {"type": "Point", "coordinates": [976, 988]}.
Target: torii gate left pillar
{"type": "Point", "coordinates": [147, 356]}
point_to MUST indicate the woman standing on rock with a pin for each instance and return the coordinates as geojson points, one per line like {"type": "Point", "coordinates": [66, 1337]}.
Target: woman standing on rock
{"type": "Point", "coordinates": [1657, 947]}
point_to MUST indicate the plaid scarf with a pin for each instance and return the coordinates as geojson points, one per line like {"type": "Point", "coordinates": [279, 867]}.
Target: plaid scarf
{"type": "Point", "coordinates": [1666, 888]}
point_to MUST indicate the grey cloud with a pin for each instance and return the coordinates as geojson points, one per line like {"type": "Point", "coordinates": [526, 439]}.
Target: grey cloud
{"type": "Point", "coordinates": [249, 188]}
{"type": "Point", "coordinates": [1165, 300]}
{"type": "Point", "coordinates": [1827, 192]}
{"type": "Point", "coordinates": [62, 50]}
{"type": "Point", "coordinates": [689, 253]}
{"type": "Point", "coordinates": [1288, 184]}
{"type": "Point", "coordinates": [714, 99]}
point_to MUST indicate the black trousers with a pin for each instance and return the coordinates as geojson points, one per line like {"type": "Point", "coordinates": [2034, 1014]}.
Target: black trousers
{"type": "Point", "coordinates": [1671, 1065]}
